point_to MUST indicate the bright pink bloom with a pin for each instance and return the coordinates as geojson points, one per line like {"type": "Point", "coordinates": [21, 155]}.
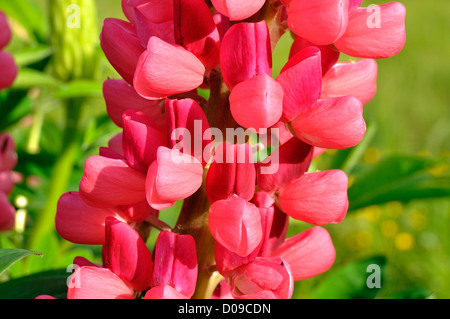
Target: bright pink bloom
{"type": "Point", "coordinates": [121, 45]}
{"type": "Point", "coordinates": [98, 283]}
{"type": "Point", "coordinates": [236, 225]}
{"type": "Point", "coordinates": [358, 79]}
{"type": "Point", "coordinates": [175, 263]}
{"type": "Point", "coordinates": [333, 123]}
{"type": "Point", "coordinates": [127, 255]}
{"type": "Point", "coordinates": [173, 176]}
{"type": "Point", "coordinates": [309, 253]}
{"type": "Point", "coordinates": [257, 102]}
{"type": "Point", "coordinates": [245, 52]}
{"type": "Point", "coordinates": [321, 22]}
{"type": "Point", "coordinates": [236, 9]}
{"type": "Point", "coordinates": [374, 32]}
{"type": "Point", "coordinates": [264, 278]}
{"type": "Point", "coordinates": [231, 172]}
{"type": "Point", "coordinates": [316, 198]}
{"type": "Point", "coordinates": [165, 69]}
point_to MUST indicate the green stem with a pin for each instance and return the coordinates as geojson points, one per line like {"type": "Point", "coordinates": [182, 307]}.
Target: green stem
{"type": "Point", "coordinates": [61, 173]}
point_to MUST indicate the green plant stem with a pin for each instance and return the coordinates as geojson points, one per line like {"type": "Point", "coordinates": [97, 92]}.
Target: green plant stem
{"type": "Point", "coordinates": [61, 173]}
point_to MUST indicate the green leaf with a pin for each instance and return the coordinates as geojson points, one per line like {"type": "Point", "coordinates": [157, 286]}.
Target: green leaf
{"type": "Point", "coordinates": [401, 178]}
{"type": "Point", "coordinates": [80, 88]}
{"type": "Point", "coordinates": [28, 78]}
{"type": "Point", "coordinates": [8, 257]}
{"type": "Point", "coordinates": [53, 283]}
{"type": "Point", "coordinates": [32, 55]}
{"type": "Point", "coordinates": [350, 281]}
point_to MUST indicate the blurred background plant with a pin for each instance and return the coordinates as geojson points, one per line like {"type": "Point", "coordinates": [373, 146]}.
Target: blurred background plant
{"type": "Point", "coordinates": [399, 175]}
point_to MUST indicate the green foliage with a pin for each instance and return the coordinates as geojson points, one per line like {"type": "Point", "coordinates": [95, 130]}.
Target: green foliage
{"type": "Point", "coordinates": [8, 257]}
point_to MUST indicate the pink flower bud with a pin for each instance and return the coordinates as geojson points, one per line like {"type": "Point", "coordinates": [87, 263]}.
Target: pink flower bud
{"type": "Point", "coordinates": [301, 79]}
{"type": "Point", "coordinates": [257, 102]}
{"type": "Point", "coordinates": [333, 123]}
{"type": "Point", "coordinates": [127, 255]}
{"type": "Point", "coordinates": [121, 96]}
{"type": "Point", "coordinates": [176, 263]}
{"type": "Point", "coordinates": [121, 45]}
{"type": "Point", "coordinates": [141, 139]}
{"type": "Point", "coordinates": [97, 283]}
{"type": "Point", "coordinates": [236, 9]}
{"type": "Point", "coordinates": [110, 182]}
{"type": "Point", "coordinates": [231, 172]}
{"type": "Point", "coordinates": [358, 79]}
{"type": "Point", "coordinates": [236, 225]}
{"type": "Point", "coordinates": [374, 34]}
{"type": "Point", "coordinates": [309, 253]}
{"type": "Point", "coordinates": [8, 70]}
{"type": "Point", "coordinates": [245, 52]}
{"type": "Point", "coordinates": [5, 31]}
{"type": "Point", "coordinates": [320, 22]}
{"type": "Point", "coordinates": [166, 69]}
{"type": "Point", "coordinates": [316, 198]}
{"type": "Point", "coordinates": [80, 223]}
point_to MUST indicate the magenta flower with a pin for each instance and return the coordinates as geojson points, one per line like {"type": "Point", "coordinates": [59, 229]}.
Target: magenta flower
{"type": "Point", "coordinates": [8, 68]}
{"type": "Point", "coordinates": [230, 239]}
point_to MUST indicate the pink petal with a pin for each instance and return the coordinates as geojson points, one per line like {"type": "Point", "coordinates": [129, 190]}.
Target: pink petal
{"type": "Point", "coordinates": [353, 4]}
{"type": "Point", "coordinates": [6, 182]}
{"type": "Point", "coordinates": [375, 32]}
{"type": "Point", "coordinates": [114, 149]}
{"type": "Point", "coordinates": [8, 155]}
{"type": "Point", "coordinates": [166, 69]}
{"type": "Point", "coordinates": [196, 31]}
{"type": "Point", "coordinates": [141, 139]}
{"type": "Point", "coordinates": [110, 182]}
{"type": "Point", "coordinates": [301, 79]}
{"type": "Point", "coordinates": [245, 52]}
{"type": "Point", "coordinates": [176, 262]}
{"type": "Point", "coordinates": [97, 283]}
{"type": "Point", "coordinates": [293, 159]}
{"type": "Point", "coordinates": [137, 213]}
{"type": "Point", "coordinates": [316, 198]}
{"type": "Point", "coordinates": [45, 297]}
{"type": "Point", "coordinates": [80, 223]}
{"type": "Point", "coordinates": [179, 175]}
{"type": "Point", "coordinates": [7, 213]}
{"type": "Point", "coordinates": [309, 253]}
{"type": "Point", "coordinates": [128, 11]}
{"type": "Point", "coordinates": [8, 70]}
{"type": "Point", "coordinates": [153, 18]}
{"type": "Point", "coordinates": [321, 22]}
{"type": "Point", "coordinates": [236, 9]}
{"type": "Point", "coordinates": [151, 192]}
{"type": "Point", "coordinates": [231, 172]}
{"type": "Point", "coordinates": [236, 224]}
{"type": "Point", "coordinates": [257, 102]}
{"type": "Point", "coordinates": [264, 277]}
{"type": "Point", "coordinates": [121, 96]}
{"type": "Point", "coordinates": [121, 45]}
{"type": "Point", "coordinates": [329, 56]}
{"type": "Point", "coordinates": [333, 123]}
{"type": "Point", "coordinates": [5, 33]}
{"type": "Point", "coordinates": [127, 255]}
{"type": "Point", "coordinates": [187, 128]}
{"type": "Point", "coordinates": [358, 79]}
{"type": "Point", "coordinates": [164, 292]}
{"type": "Point", "coordinates": [276, 232]}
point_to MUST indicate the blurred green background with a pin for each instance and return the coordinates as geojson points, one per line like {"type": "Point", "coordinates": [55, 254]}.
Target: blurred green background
{"type": "Point", "coordinates": [399, 175]}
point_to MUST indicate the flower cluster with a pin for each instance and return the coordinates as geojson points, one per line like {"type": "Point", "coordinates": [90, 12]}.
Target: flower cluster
{"type": "Point", "coordinates": [231, 237]}
{"type": "Point", "coordinates": [8, 68]}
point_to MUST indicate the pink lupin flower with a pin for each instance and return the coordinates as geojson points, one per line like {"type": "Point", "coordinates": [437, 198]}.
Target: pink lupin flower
{"type": "Point", "coordinates": [232, 171]}
{"type": "Point", "coordinates": [355, 78]}
{"type": "Point", "coordinates": [175, 266]}
{"type": "Point", "coordinates": [165, 69]}
{"type": "Point", "coordinates": [309, 253]}
{"type": "Point", "coordinates": [236, 225]}
{"type": "Point", "coordinates": [173, 176]}
{"type": "Point", "coordinates": [127, 255]}
{"type": "Point", "coordinates": [119, 96]}
{"type": "Point", "coordinates": [238, 10]}
{"type": "Point", "coordinates": [316, 198]}
{"type": "Point", "coordinates": [121, 45]}
{"type": "Point", "coordinates": [8, 67]}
